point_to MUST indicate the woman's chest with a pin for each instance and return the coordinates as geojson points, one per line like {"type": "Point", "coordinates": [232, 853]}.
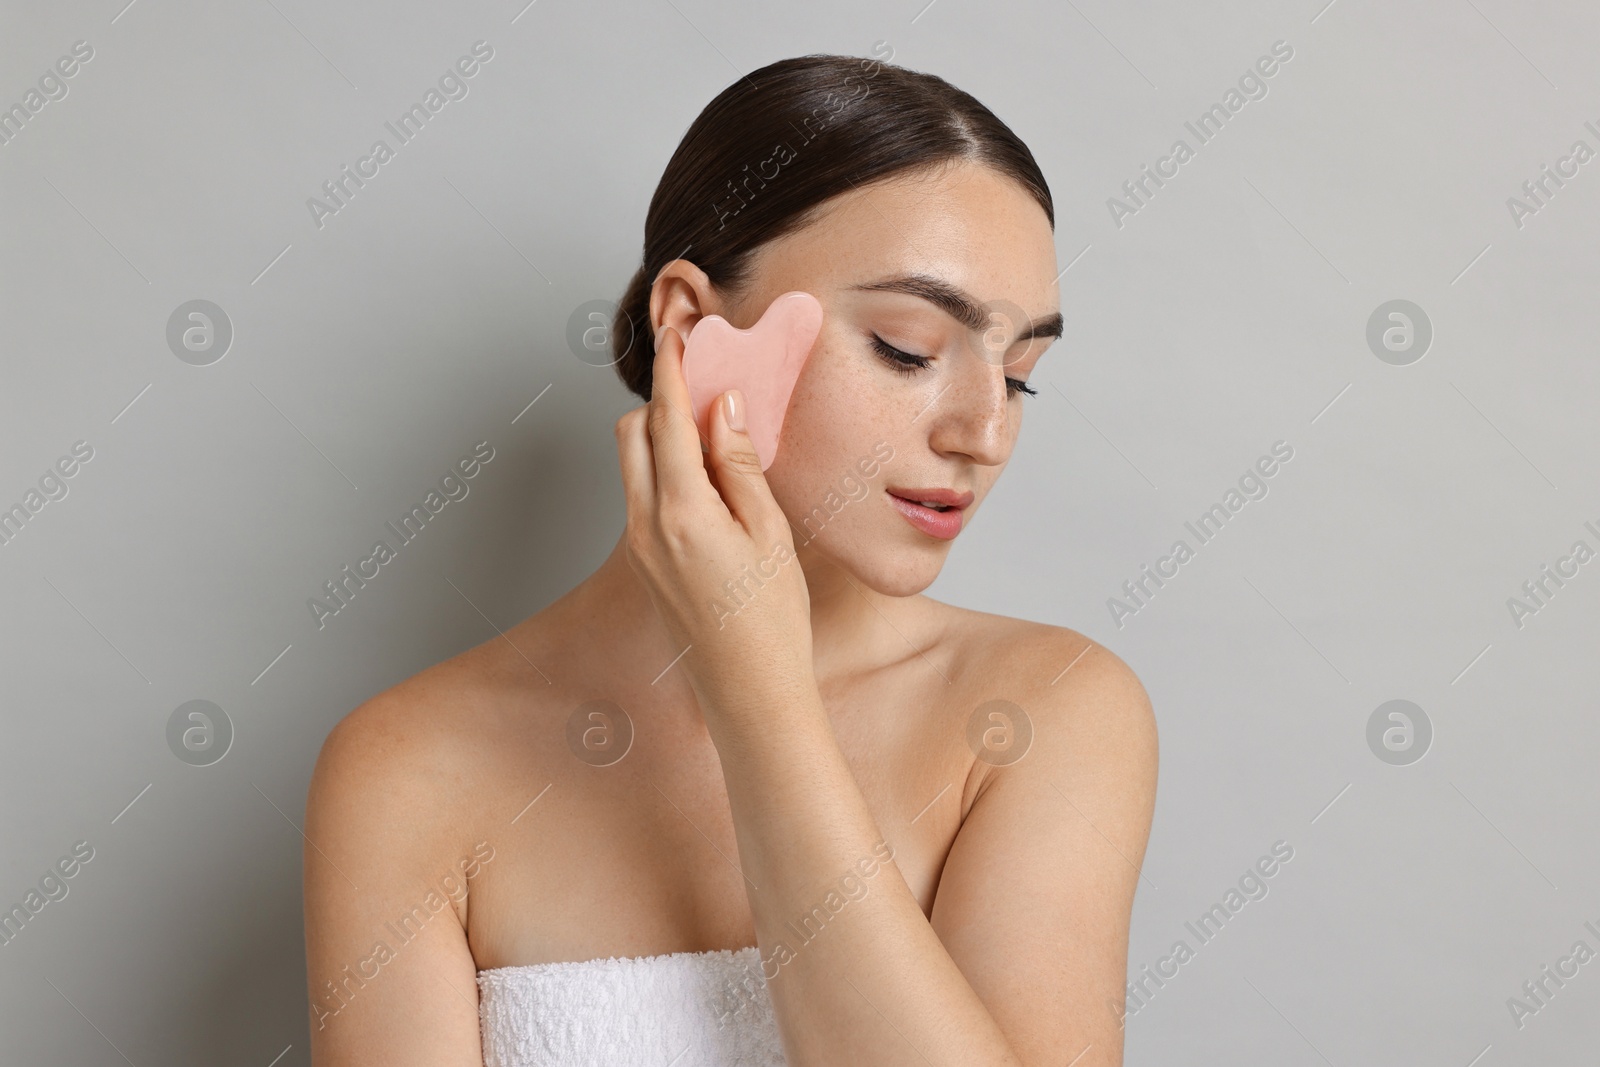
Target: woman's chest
{"type": "Point", "coordinates": [639, 857]}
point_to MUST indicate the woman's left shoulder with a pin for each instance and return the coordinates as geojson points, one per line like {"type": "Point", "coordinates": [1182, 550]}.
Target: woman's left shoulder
{"type": "Point", "coordinates": [1054, 670]}
{"type": "Point", "coordinates": [1081, 715]}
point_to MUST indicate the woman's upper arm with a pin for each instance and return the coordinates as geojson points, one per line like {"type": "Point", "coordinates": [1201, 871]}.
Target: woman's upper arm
{"type": "Point", "coordinates": [1035, 898]}
{"type": "Point", "coordinates": [391, 978]}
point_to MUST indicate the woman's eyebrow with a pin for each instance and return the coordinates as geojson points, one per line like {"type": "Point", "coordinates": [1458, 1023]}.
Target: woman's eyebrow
{"type": "Point", "coordinates": [958, 303]}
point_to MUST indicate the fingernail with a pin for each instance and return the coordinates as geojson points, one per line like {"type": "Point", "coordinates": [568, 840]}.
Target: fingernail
{"type": "Point", "coordinates": [733, 409]}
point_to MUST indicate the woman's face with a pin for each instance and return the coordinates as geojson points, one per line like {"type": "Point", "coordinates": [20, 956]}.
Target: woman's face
{"type": "Point", "coordinates": [962, 235]}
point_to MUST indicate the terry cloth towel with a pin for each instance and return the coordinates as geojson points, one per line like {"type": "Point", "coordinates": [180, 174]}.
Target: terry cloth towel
{"type": "Point", "coordinates": [687, 1009]}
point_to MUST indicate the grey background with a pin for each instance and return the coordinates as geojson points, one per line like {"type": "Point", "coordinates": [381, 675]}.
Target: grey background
{"type": "Point", "coordinates": [1227, 314]}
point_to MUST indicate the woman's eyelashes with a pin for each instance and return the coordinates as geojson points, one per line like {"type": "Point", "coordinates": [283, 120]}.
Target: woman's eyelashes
{"type": "Point", "coordinates": [906, 363]}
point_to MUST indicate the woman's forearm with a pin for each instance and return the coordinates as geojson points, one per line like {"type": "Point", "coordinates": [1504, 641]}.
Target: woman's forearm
{"type": "Point", "coordinates": [855, 971]}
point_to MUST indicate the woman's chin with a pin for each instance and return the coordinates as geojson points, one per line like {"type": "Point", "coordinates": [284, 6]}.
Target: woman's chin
{"type": "Point", "coordinates": [889, 559]}
{"type": "Point", "coordinates": [900, 573]}
{"type": "Point", "coordinates": [904, 586]}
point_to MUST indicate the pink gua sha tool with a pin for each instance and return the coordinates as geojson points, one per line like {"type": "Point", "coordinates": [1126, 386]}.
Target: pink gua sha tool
{"type": "Point", "coordinates": [762, 362]}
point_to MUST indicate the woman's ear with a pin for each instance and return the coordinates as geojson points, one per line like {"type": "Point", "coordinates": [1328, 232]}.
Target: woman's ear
{"type": "Point", "coordinates": [680, 297]}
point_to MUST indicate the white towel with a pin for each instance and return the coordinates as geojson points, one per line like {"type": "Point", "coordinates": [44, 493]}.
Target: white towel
{"type": "Point", "coordinates": [686, 1009]}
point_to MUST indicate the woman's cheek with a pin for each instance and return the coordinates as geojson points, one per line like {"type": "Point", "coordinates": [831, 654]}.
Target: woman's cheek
{"type": "Point", "coordinates": [838, 411]}
{"type": "Point", "coordinates": [813, 455]}
{"type": "Point", "coordinates": [798, 471]}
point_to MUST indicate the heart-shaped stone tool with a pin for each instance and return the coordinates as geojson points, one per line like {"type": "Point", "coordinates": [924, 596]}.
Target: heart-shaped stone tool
{"type": "Point", "coordinates": [762, 362]}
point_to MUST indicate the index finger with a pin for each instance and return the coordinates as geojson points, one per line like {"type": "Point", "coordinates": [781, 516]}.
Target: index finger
{"type": "Point", "coordinates": [674, 436]}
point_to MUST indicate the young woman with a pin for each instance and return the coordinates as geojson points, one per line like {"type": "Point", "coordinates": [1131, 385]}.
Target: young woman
{"type": "Point", "coordinates": [744, 795]}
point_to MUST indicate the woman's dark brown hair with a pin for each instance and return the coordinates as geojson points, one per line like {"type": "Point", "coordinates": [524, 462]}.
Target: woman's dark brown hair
{"type": "Point", "coordinates": [763, 156]}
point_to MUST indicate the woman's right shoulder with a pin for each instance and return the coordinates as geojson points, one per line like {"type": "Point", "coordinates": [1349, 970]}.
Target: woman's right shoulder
{"type": "Point", "coordinates": [425, 748]}
{"type": "Point", "coordinates": [397, 821]}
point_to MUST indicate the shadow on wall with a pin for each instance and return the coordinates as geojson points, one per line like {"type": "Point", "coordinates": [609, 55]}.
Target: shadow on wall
{"type": "Point", "coordinates": [552, 514]}
{"type": "Point", "coordinates": [249, 991]}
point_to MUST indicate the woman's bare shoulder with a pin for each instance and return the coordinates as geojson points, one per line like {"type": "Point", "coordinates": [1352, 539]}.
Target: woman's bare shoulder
{"type": "Point", "coordinates": [429, 748]}
{"type": "Point", "coordinates": [1086, 712]}
{"type": "Point", "coordinates": [1034, 658]}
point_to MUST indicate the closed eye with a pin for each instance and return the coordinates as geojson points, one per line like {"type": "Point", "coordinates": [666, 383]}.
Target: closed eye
{"type": "Point", "coordinates": [906, 363]}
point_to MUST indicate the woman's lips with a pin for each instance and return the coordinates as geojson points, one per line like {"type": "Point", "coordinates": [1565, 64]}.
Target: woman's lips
{"type": "Point", "coordinates": [941, 524]}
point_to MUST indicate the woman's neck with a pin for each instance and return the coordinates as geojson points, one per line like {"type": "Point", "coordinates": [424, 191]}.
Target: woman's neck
{"type": "Point", "coordinates": [851, 629]}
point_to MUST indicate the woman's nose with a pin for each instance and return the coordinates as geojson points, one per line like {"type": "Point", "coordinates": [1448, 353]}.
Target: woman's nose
{"type": "Point", "coordinates": [973, 415]}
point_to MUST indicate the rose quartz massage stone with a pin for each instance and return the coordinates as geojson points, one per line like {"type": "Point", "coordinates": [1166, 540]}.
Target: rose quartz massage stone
{"type": "Point", "coordinates": [762, 362]}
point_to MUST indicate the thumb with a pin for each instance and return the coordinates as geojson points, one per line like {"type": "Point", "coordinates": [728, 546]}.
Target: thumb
{"type": "Point", "coordinates": [736, 465]}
